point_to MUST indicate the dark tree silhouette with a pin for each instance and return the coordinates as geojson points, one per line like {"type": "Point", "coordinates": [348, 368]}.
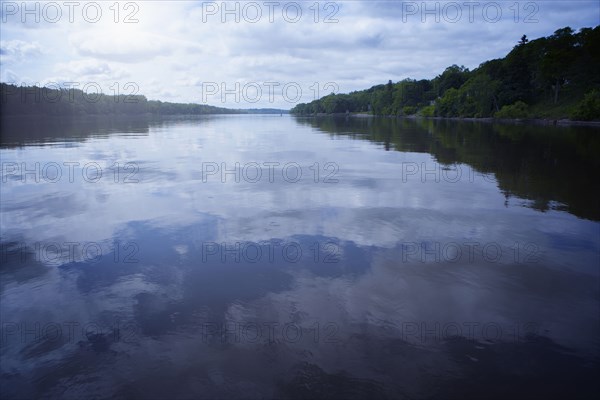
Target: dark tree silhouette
{"type": "Point", "coordinates": [523, 40]}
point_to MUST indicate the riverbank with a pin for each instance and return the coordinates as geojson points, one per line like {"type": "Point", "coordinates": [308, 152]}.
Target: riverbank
{"type": "Point", "coordinates": [535, 121]}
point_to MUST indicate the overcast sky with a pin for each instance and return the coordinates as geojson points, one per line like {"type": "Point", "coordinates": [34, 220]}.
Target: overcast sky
{"type": "Point", "coordinates": [190, 51]}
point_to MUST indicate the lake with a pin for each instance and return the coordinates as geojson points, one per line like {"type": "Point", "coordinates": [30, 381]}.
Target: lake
{"type": "Point", "coordinates": [272, 256]}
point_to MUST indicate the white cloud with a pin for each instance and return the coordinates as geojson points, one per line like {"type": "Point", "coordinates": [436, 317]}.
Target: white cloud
{"type": "Point", "coordinates": [138, 47]}
{"type": "Point", "coordinates": [10, 77]}
{"type": "Point", "coordinates": [89, 69]}
{"type": "Point", "coordinates": [17, 50]}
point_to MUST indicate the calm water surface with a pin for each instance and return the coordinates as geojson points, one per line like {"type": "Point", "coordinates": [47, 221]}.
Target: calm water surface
{"type": "Point", "coordinates": [281, 257]}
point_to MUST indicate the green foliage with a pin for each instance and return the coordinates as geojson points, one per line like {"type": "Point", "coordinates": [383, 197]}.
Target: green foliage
{"type": "Point", "coordinates": [428, 111]}
{"type": "Point", "coordinates": [452, 78]}
{"type": "Point", "coordinates": [550, 73]}
{"type": "Point", "coordinates": [447, 106]}
{"type": "Point", "coordinates": [589, 108]}
{"type": "Point", "coordinates": [475, 99]}
{"type": "Point", "coordinates": [388, 99]}
{"type": "Point", "coordinates": [560, 55]}
{"type": "Point", "coordinates": [409, 110]}
{"type": "Point", "coordinates": [517, 110]}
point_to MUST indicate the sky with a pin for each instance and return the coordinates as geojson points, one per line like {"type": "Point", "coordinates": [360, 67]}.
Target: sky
{"type": "Point", "coordinates": [257, 54]}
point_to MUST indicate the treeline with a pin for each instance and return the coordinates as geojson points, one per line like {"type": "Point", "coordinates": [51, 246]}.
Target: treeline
{"type": "Point", "coordinates": [555, 76]}
{"type": "Point", "coordinates": [265, 111]}
{"type": "Point", "coordinates": [35, 100]}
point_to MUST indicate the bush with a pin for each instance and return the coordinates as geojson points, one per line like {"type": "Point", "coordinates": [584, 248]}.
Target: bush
{"type": "Point", "coordinates": [409, 110]}
{"type": "Point", "coordinates": [428, 111]}
{"type": "Point", "coordinates": [589, 108]}
{"type": "Point", "coordinates": [517, 110]}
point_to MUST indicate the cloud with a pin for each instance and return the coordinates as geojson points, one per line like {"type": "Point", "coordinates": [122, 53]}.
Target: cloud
{"type": "Point", "coordinates": [11, 77]}
{"type": "Point", "coordinates": [89, 69]}
{"type": "Point", "coordinates": [17, 50]}
{"type": "Point", "coordinates": [139, 47]}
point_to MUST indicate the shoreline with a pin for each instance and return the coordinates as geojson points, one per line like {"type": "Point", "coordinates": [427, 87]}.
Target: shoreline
{"type": "Point", "coordinates": [528, 121]}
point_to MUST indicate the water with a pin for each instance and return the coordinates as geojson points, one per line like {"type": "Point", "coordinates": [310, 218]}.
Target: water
{"type": "Point", "coordinates": [346, 258]}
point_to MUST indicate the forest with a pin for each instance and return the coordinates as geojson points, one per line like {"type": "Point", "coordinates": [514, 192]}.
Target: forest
{"type": "Point", "coordinates": [550, 77]}
{"type": "Point", "coordinates": [35, 100]}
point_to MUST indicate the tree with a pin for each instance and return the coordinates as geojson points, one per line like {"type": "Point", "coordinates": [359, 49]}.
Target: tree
{"type": "Point", "coordinates": [452, 77]}
{"type": "Point", "coordinates": [559, 57]}
{"type": "Point", "coordinates": [523, 40]}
